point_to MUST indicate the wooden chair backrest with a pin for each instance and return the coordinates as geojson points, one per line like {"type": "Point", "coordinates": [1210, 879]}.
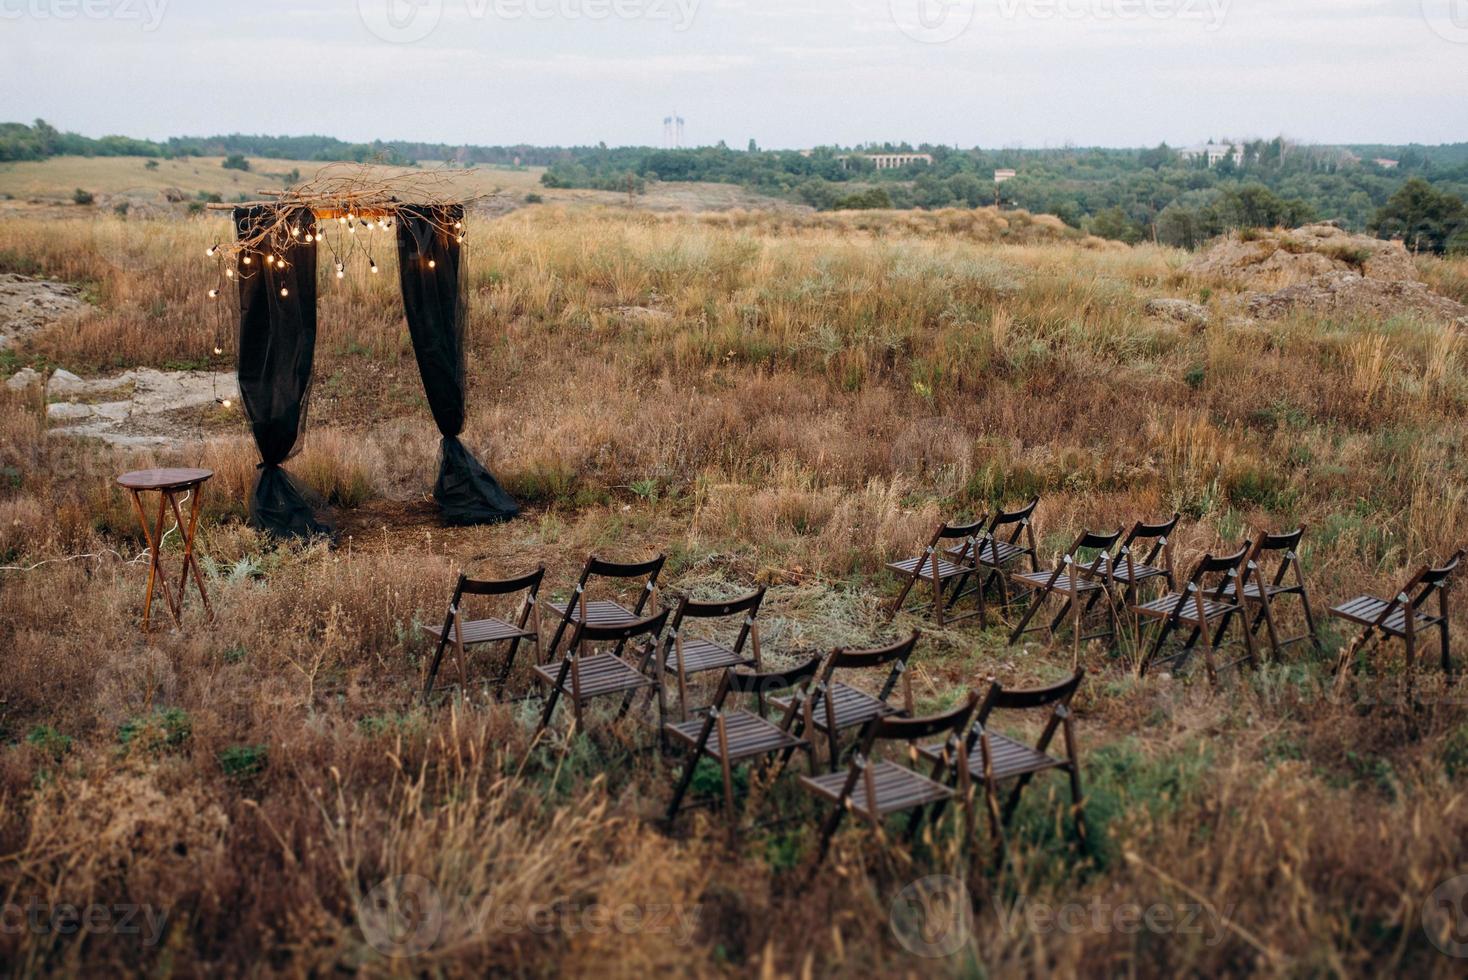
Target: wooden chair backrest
{"type": "Point", "coordinates": [1056, 697]}
{"type": "Point", "coordinates": [1020, 518]}
{"type": "Point", "coordinates": [697, 609]}
{"type": "Point", "coordinates": [1157, 534]}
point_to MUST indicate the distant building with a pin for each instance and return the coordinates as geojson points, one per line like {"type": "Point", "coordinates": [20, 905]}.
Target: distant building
{"type": "Point", "coordinates": [1000, 176]}
{"type": "Point", "coordinates": [883, 161]}
{"type": "Point", "coordinates": [892, 161]}
{"type": "Point", "coordinates": [1386, 164]}
{"type": "Point", "coordinates": [1214, 153]}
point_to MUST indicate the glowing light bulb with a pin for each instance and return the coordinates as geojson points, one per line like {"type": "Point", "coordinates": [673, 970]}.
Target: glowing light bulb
{"type": "Point", "coordinates": [351, 229]}
{"type": "Point", "coordinates": [248, 260]}
{"type": "Point", "coordinates": [341, 219]}
{"type": "Point", "coordinates": [432, 264]}
{"type": "Point", "coordinates": [374, 266]}
{"type": "Point", "coordinates": [341, 271]}
{"type": "Point", "coordinates": [458, 224]}
{"type": "Point", "coordinates": [284, 291]}
{"type": "Point", "coordinates": [229, 273]}
{"type": "Point", "coordinates": [219, 350]}
{"type": "Point", "coordinates": [296, 232]}
{"type": "Point", "coordinates": [461, 239]}
{"type": "Point", "coordinates": [308, 239]}
{"type": "Point", "coordinates": [213, 294]}
{"type": "Point", "coordinates": [225, 402]}
{"type": "Point", "coordinates": [211, 250]}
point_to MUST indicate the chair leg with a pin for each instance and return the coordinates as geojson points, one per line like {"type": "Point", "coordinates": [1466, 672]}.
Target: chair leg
{"type": "Point", "coordinates": [1267, 613]}
{"type": "Point", "coordinates": [684, 781]}
{"type": "Point", "coordinates": [996, 825]}
{"type": "Point", "coordinates": [828, 830]}
{"type": "Point", "coordinates": [1447, 657]}
{"type": "Point", "coordinates": [1249, 645]}
{"type": "Point", "coordinates": [896, 604]}
{"type": "Point", "coordinates": [504, 677]}
{"type": "Point", "coordinates": [1079, 806]}
{"type": "Point", "coordinates": [1310, 620]}
{"type": "Point", "coordinates": [1162, 634]}
{"type": "Point", "coordinates": [1036, 599]}
{"type": "Point", "coordinates": [433, 667]}
{"type": "Point", "coordinates": [1208, 653]}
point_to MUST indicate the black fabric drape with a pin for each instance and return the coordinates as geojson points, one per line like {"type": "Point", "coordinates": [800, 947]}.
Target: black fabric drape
{"type": "Point", "coordinates": [429, 259]}
{"type": "Point", "coordinates": [277, 348]}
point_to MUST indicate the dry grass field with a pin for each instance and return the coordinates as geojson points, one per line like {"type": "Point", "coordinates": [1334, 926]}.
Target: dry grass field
{"type": "Point", "coordinates": [770, 400]}
{"type": "Point", "coordinates": [29, 185]}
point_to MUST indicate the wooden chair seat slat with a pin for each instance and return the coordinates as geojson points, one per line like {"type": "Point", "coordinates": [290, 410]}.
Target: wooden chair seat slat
{"type": "Point", "coordinates": [852, 707]}
{"type": "Point", "coordinates": [702, 655]}
{"type": "Point", "coordinates": [603, 673]}
{"type": "Point", "coordinates": [1365, 609]}
{"type": "Point", "coordinates": [749, 735]}
{"type": "Point", "coordinates": [1131, 573]}
{"type": "Point", "coordinates": [597, 612]}
{"type": "Point", "coordinates": [1065, 582]}
{"type": "Point", "coordinates": [923, 565]}
{"type": "Point", "coordinates": [1163, 608]}
{"type": "Point", "coordinates": [489, 630]}
{"type": "Point", "coordinates": [897, 788]}
{"type": "Point", "coordinates": [1009, 758]}
{"type": "Point", "coordinates": [994, 553]}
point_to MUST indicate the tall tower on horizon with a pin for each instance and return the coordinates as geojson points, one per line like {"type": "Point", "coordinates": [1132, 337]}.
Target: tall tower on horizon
{"type": "Point", "coordinates": [673, 131]}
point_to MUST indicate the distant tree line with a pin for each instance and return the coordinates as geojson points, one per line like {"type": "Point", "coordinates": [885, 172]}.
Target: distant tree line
{"type": "Point", "coordinates": [1126, 194]}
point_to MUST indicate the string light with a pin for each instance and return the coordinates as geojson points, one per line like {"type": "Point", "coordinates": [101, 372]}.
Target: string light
{"type": "Point", "coordinates": [296, 232]}
{"type": "Point", "coordinates": [373, 263]}
{"type": "Point", "coordinates": [432, 264]}
{"type": "Point", "coordinates": [308, 239]}
{"type": "Point", "coordinates": [213, 294]}
{"type": "Point", "coordinates": [212, 249]}
{"type": "Point", "coordinates": [341, 272]}
{"type": "Point", "coordinates": [229, 273]}
{"type": "Point", "coordinates": [284, 292]}
{"type": "Point", "coordinates": [218, 350]}
{"type": "Point", "coordinates": [225, 402]}
{"type": "Point", "coordinates": [247, 260]}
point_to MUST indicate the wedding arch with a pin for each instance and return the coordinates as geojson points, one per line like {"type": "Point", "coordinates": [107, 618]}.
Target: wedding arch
{"type": "Point", "coordinates": [274, 262]}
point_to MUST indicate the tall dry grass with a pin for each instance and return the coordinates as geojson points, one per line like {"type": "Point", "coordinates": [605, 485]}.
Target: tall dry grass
{"type": "Point", "coordinates": [766, 399]}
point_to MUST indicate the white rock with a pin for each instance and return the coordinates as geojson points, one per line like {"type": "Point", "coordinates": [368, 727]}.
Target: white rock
{"type": "Point", "coordinates": [63, 382]}
{"type": "Point", "coordinates": [22, 379]}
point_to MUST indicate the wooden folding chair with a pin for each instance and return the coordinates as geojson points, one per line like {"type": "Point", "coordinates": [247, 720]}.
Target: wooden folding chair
{"type": "Point", "coordinates": [1199, 605]}
{"type": "Point", "coordinates": [732, 736]}
{"type": "Point", "coordinates": [1403, 616]}
{"type": "Point", "coordinates": [581, 678]}
{"type": "Point", "coordinates": [465, 633]}
{"type": "Point", "coordinates": [1008, 538]}
{"type": "Point", "coordinates": [684, 656]}
{"type": "Point", "coordinates": [872, 789]}
{"type": "Point", "coordinates": [604, 612]}
{"type": "Point", "coordinates": [1264, 587]}
{"type": "Point", "coordinates": [993, 758]}
{"type": "Point", "coordinates": [1156, 561]}
{"type": "Point", "coordinates": [1073, 578]}
{"type": "Point", "coordinates": [936, 571]}
{"type": "Point", "coordinates": [837, 706]}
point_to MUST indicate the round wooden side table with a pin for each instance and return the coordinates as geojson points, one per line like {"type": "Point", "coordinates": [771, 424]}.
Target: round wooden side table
{"type": "Point", "coordinates": [169, 483]}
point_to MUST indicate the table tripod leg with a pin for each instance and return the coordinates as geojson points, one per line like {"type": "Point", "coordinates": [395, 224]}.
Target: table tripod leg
{"type": "Point", "coordinates": [189, 560]}
{"type": "Point", "coordinates": [152, 557]}
{"type": "Point", "coordinates": [164, 498]}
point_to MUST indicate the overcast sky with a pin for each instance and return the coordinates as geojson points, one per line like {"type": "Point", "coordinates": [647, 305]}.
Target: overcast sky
{"type": "Point", "coordinates": [790, 73]}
